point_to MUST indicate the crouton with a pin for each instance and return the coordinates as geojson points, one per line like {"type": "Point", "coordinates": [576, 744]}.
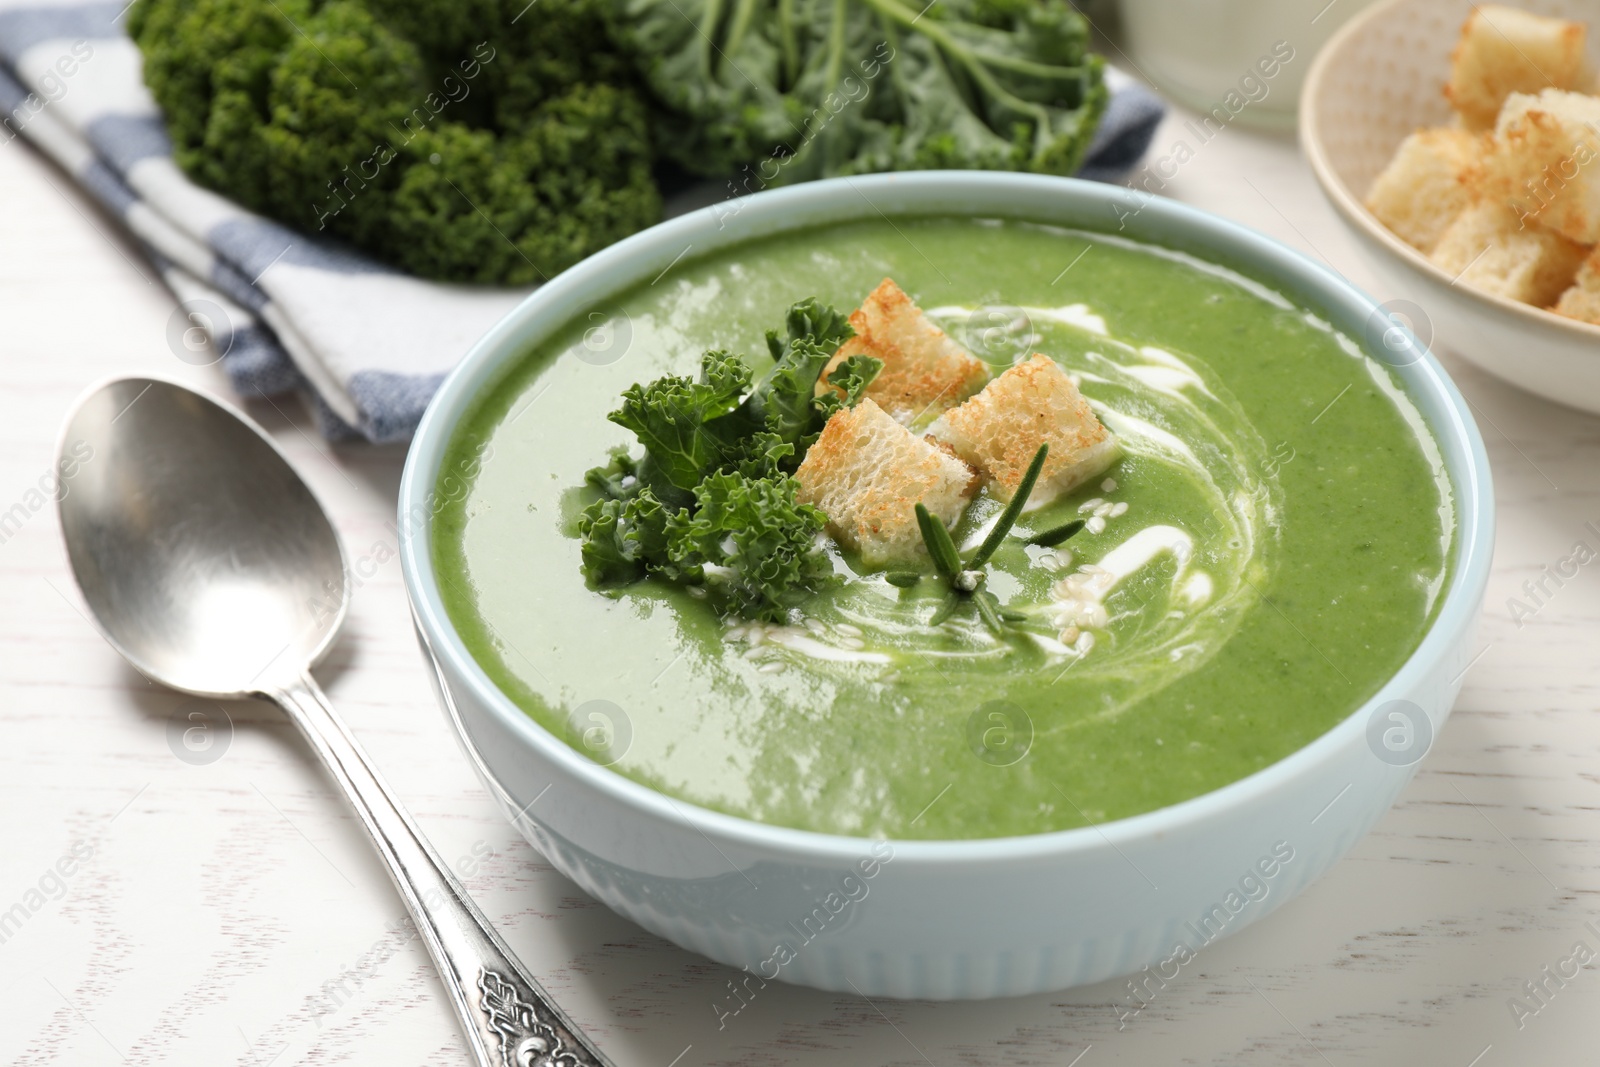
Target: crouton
{"type": "Point", "coordinates": [1425, 185]}
{"type": "Point", "coordinates": [867, 473]}
{"type": "Point", "coordinates": [1489, 248]}
{"type": "Point", "coordinates": [924, 371]}
{"type": "Point", "coordinates": [1582, 301]}
{"type": "Point", "coordinates": [1503, 51]}
{"type": "Point", "coordinates": [999, 430]}
{"type": "Point", "coordinates": [1546, 161]}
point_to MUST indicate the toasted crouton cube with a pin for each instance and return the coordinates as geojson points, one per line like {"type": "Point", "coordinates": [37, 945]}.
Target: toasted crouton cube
{"type": "Point", "coordinates": [1489, 248]}
{"type": "Point", "coordinates": [924, 371]}
{"type": "Point", "coordinates": [1582, 301]}
{"type": "Point", "coordinates": [1503, 51]}
{"type": "Point", "coordinates": [999, 430]}
{"type": "Point", "coordinates": [867, 473]}
{"type": "Point", "coordinates": [1546, 161]}
{"type": "Point", "coordinates": [1425, 185]}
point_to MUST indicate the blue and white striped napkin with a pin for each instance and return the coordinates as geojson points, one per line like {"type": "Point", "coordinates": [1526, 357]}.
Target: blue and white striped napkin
{"type": "Point", "coordinates": [366, 343]}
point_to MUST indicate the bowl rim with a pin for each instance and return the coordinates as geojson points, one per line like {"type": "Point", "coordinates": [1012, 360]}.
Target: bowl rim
{"type": "Point", "coordinates": [1355, 212]}
{"type": "Point", "coordinates": [1421, 374]}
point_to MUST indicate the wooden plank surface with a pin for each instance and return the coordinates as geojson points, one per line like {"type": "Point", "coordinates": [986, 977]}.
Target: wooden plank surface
{"type": "Point", "coordinates": [230, 912]}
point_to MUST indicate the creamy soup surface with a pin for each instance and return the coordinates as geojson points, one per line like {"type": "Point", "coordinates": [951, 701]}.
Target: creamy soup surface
{"type": "Point", "coordinates": [1269, 550]}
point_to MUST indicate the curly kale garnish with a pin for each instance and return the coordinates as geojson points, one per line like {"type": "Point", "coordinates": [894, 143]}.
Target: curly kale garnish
{"type": "Point", "coordinates": [853, 375]}
{"type": "Point", "coordinates": [751, 543]}
{"type": "Point", "coordinates": [783, 402]}
{"type": "Point", "coordinates": [623, 539]}
{"type": "Point", "coordinates": [712, 501]}
{"type": "Point", "coordinates": [671, 416]}
{"type": "Point", "coordinates": [761, 455]}
{"type": "Point", "coordinates": [617, 480]}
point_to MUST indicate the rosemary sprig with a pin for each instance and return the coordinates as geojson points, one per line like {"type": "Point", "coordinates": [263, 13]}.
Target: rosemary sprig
{"type": "Point", "coordinates": [946, 609]}
{"type": "Point", "coordinates": [1055, 535]}
{"type": "Point", "coordinates": [965, 582]}
{"type": "Point", "coordinates": [946, 560]}
{"type": "Point", "coordinates": [1008, 517]}
{"type": "Point", "coordinates": [988, 606]}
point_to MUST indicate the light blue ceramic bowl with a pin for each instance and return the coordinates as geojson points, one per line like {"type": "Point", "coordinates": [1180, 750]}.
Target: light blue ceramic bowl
{"type": "Point", "coordinates": [954, 919]}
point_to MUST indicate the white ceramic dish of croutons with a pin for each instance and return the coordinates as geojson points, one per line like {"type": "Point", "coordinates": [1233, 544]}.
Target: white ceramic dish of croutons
{"type": "Point", "coordinates": [1381, 79]}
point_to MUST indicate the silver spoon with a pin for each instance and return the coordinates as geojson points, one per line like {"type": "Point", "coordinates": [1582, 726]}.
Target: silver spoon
{"type": "Point", "coordinates": [210, 566]}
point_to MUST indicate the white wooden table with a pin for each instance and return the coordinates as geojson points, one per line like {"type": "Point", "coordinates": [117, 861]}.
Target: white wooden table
{"type": "Point", "coordinates": [230, 911]}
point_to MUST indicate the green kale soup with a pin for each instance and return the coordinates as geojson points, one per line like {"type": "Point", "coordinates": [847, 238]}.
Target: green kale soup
{"type": "Point", "coordinates": [1270, 547]}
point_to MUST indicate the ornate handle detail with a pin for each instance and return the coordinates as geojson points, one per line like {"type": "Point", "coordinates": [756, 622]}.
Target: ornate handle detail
{"type": "Point", "coordinates": [500, 1007]}
{"type": "Point", "coordinates": [525, 1039]}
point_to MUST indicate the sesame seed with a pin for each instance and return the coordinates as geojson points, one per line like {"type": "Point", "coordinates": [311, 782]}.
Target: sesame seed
{"type": "Point", "coordinates": [1108, 486]}
{"type": "Point", "coordinates": [1120, 509]}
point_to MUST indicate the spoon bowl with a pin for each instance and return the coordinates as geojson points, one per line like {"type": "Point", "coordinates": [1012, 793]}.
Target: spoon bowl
{"type": "Point", "coordinates": [205, 559]}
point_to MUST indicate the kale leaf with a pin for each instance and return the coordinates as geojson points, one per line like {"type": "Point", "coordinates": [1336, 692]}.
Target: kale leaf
{"type": "Point", "coordinates": [798, 89]}
{"type": "Point", "coordinates": [608, 558]}
{"type": "Point", "coordinates": [456, 140]}
{"type": "Point", "coordinates": [671, 416]}
{"type": "Point", "coordinates": [481, 141]}
{"type": "Point", "coordinates": [784, 401]}
{"type": "Point", "coordinates": [617, 480]}
{"type": "Point", "coordinates": [762, 454]}
{"type": "Point", "coordinates": [751, 542]}
{"type": "Point", "coordinates": [781, 402]}
{"type": "Point", "coordinates": [623, 539]}
{"type": "Point", "coordinates": [816, 322]}
{"type": "Point", "coordinates": [712, 501]}
{"type": "Point", "coordinates": [852, 376]}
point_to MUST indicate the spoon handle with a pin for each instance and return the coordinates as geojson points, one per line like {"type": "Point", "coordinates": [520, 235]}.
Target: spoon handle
{"type": "Point", "coordinates": [509, 1021]}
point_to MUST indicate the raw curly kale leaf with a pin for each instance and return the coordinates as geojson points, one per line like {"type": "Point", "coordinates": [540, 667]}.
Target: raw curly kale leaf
{"type": "Point", "coordinates": [751, 543]}
{"type": "Point", "coordinates": [456, 140]}
{"type": "Point", "coordinates": [617, 480]}
{"type": "Point", "coordinates": [625, 538]}
{"type": "Point", "coordinates": [811, 320]}
{"type": "Point", "coordinates": [712, 501]}
{"type": "Point", "coordinates": [670, 416]}
{"type": "Point", "coordinates": [799, 89]}
{"type": "Point", "coordinates": [645, 526]}
{"type": "Point", "coordinates": [783, 401]}
{"type": "Point", "coordinates": [853, 375]}
{"type": "Point", "coordinates": [762, 454]}
{"type": "Point", "coordinates": [608, 559]}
